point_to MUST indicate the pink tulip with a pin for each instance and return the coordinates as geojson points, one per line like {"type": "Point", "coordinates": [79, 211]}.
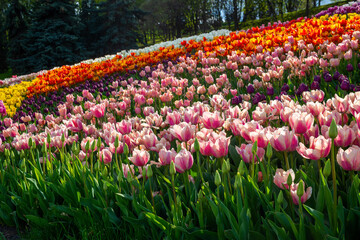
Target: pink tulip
{"type": "Point", "coordinates": [319, 148]}
{"type": "Point", "coordinates": [183, 131]}
{"type": "Point", "coordinates": [248, 128]}
{"type": "Point", "coordinates": [345, 137]}
{"type": "Point", "coordinates": [285, 114]}
{"type": "Point", "coordinates": [8, 122]}
{"type": "Point", "coordinates": [127, 169]}
{"type": "Point", "coordinates": [105, 155]}
{"type": "Point", "coordinates": [315, 108]}
{"type": "Point", "coordinates": [150, 140]}
{"type": "Point", "coordinates": [183, 161]}
{"type": "Point", "coordinates": [124, 127]}
{"type": "Point", "coordinates": [75, 125]}
{"type": "Point", "coordinates": [98, 110]}
{"type": "Point", "coordinates": [301, 122]}
{"type": "Point", "coordinates": [236, 126]}
{"type": "Point", "coordinates": [283, 140]}
{"type": "Point", "coordinates": [349, 160]}
{"type": "Point", "coordinates": [262, 136]}
{"type": "Point", "coordinates": [245, 151]}
{"type": "Point", "coordinates": [140, 157]}
{"type": "Point", "coordinates": [281, 176]}
{"type": "Point", "coordinates": [84, 142]}
{"type": "Point", "coordinates": [295, 197]}
{"type": "Point", "coordinates": [212, 120]}
{"type": "Point", "coordinates": [326, 117]}
{"type": "Point", "coordinates": [341, 104]}
{"type": "Point", "coordinates": [173, 118]}
{"type": "Point", "coordinates": [166, 156]}
{"type": "Point", "coordinates": [220, 147]}
{"type": "Point", "coordinates": [119, 149]}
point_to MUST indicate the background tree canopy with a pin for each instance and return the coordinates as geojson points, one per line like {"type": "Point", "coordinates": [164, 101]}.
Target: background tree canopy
{"type": "Point", "coordinates": [42, 34]}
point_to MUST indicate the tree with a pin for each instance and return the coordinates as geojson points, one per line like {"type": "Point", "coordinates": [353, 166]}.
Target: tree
{"type": "Point", "coordinates": [119, 25]}
{"type": "Point", "coordinates": [216, 8]}
{"type": "Point", "coordinates": [15, 27]}
{"type": "Point", "coordinates": [52, 38]}
{"type": "Point", "coordinates": [90, 28]}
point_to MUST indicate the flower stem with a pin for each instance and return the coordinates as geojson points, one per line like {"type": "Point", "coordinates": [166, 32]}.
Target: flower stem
{"type": "Point", "coordinates": [286, 161]}
{"type": "Point", "coordinates": [334, 183]}
{"type": "Point", "coordinates": [199, 166]}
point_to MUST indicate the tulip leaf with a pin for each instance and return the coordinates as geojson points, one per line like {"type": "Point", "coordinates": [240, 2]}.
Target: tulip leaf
{"type": "Point", "coordinates": [158, 221]}
{"type": "Point", "coordinates": [203, 234]}
{"type": "Point", "coordinates": [319, 220]}
{"type": "Point", "coordinates": [286, 221]}
{"type": "Point", "coordinates": [39, 221]}
{"type": "Point", "coordinates": [234, 155]}
{"type": "Point", "coordinates": [280, 232]}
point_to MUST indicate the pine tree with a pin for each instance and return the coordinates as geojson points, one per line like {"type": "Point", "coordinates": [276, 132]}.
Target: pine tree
{"type": "Point", "coordinates": [14, 28]}
{"type": "Point", "coordinates": [52, 38]}
{"type": "Point", "coordinates": [3, 49]}
{"type": "Point", "coordinates": [118, 30]}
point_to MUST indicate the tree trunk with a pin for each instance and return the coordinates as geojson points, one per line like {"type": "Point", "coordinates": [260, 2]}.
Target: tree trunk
{"type": "Point", "coordinates": [235, 14]}
{"type": "Point", "coordinates": [307, 8]}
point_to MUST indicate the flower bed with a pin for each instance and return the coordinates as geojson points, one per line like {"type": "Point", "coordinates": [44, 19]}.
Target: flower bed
{"type": "Point", "coordinates": [253, 135]}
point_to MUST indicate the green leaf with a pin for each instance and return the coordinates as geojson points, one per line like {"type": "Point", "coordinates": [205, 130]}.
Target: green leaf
{"type": "Point", "coordinates": [234, 155]}
{"type": "Point", "coordinates": [203, 234]}
{"type": "Point", "coordinates": [286, 221]}
{"type": "Point", "coordinates": [112, 216]}
{"type": "Point", "coordinates": [40, 222]}
{"type": "Point", "coordinates": [158, 221]}
{"type": "Point", "coordinates": [280, 232]}
{"type": "Point", "coordinates": [319, 220]}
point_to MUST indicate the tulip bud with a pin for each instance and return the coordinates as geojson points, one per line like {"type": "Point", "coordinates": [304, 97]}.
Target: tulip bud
{"type": "Point", "coordinates": [149, 172]}
{"type": "Point", "coordinates": [228, 167]}
{"type": "Point", "coordinates": [333, 131]}
{"type": "Point", "coordinates": [48, 138]}
{"type": "Point", "coordinates": [30, 142]}
{"type": "Point", "coordinates": [126, 149]}
{"type": "Point", "coordinates": [7, 153]}
{"type": "Point", "coordinates": [217, 178]}
{"type": "Point", "coordinates": [99, 144]}
{"type": "Point", "coordinates": [196, 145]}
{"type": "Point", "coordinates": [93, 145]}
{"type": "Point", "coordinates": [62, 139]}
{"type": "Point", "coordinates": [289, 180]}
{"type": "Point", "coordinates": [22, 164]}
{"type": "Point", "coordinates": [327, 168]}
{"type": "Point", "coordinates": [73, 147]}
{"type": "Point", "coordinates": [43, 149]}
{"type": "Point", "coordinates": [116, 143]}
{"type": "Point", "coordinates": [172, 168]}
{"type": "Point", "coordinates": [254, 148]}
{"type": "Point", "coordinates": [22, 154]}
{"type": "Point", "coordinates": [224, 167]}
{"type": "Point", "coordinates": [12, 155]}
{"type": "Point", "coordinates": [280, 198]}
{"type": "Point", "coordinates": [237, 183]}
{"type": "Point", "coordinates": [269, 151]}
{"type": "Point", "coordinates": [242, 168]}
{"type": "Point", "coordinates": [300, 190]}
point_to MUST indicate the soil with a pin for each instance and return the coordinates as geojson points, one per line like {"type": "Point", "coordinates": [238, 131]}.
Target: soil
{"type": "Point", "coordinates": [8, 233]}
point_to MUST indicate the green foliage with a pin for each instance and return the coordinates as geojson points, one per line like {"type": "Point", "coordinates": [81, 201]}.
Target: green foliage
{"type": "Point", "coordinates": [118, 25]}
{"type": "Point", "coordinates": [15, 26]}
{"type": "Point", "coordinates": [51, 39]}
